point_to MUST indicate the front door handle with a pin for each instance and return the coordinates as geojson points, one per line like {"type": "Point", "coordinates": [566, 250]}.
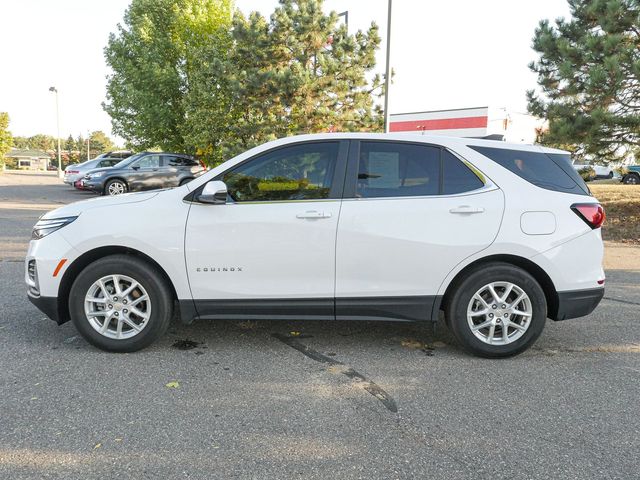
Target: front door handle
{"type": "Point", "coordinates": [467, 209]}
{"type": "Point", "coordinates": [314, 214]}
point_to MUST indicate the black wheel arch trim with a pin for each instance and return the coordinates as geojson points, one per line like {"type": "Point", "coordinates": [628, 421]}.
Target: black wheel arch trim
{"type": "Point", "coordinates": [535, 270]}
{"type": "Point", "coordinates": [72, 271]}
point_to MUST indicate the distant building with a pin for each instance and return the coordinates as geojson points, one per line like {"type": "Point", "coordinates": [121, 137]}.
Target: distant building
{"type": "Point", "coordinates": [499, 123]}
{"type": "Point", "coordinates": [26, 159]}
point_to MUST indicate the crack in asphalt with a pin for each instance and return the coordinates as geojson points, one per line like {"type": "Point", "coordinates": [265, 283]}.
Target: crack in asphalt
{"type": "Point", "coordinates": [628, 302]}
{"type": "Point", "coordinates": [369, 385]}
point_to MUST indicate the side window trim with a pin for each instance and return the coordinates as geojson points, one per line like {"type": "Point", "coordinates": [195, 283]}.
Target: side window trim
{"type": "Point", "coordinates": [337, 183]}
{"type": "Point", "coordinates": [351, 177]}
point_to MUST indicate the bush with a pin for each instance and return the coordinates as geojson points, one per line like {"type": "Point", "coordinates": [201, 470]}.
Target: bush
{"type": "Point", "coordinates": [587, 173]}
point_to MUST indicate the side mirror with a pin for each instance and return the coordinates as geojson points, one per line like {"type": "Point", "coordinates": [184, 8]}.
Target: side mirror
{"type": "Point", "coordinates": [214, 192]}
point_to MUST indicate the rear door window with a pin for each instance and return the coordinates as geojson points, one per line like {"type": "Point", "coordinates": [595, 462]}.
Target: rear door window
{"type": "Point", "coordinates": [549, 171]}
{"type": "Point", "coordinates": [397, 170]}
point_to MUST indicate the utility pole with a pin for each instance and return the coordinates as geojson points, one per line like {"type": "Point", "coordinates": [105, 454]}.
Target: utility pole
{"type": "Point", "coordinates": [55, 90]}
{"type": "Point", "coordinates": [88, 145]}
{"type": "Point", "coordinates": [387, 76]}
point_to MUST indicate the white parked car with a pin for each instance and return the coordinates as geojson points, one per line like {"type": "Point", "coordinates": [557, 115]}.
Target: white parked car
{"type": "Point", "coordinates": [601, 171]}
{"type": "Point", "coordinates": [499, 237]}
{"type": "Point", "coordinates": [76, 171]}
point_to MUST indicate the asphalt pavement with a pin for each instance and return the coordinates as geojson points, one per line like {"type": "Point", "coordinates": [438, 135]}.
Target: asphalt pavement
{"type": "Point", "coordinates": [324, 400]}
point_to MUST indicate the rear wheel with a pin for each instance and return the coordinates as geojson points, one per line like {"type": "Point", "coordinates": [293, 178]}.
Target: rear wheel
{"type": "Point", "coordinates": [115, 187]}
{"type": "Point", "coordinates": [120, 303]}
{"type": "Point", "coordinates": [497, 311]}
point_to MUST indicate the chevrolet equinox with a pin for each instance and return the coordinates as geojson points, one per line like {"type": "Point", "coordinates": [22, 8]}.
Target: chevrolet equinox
{"type": "Point", "coordinates": [498, 237]}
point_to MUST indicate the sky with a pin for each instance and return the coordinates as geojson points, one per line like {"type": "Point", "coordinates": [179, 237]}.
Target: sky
{"type": "Point", "coordinates": [445, 54]}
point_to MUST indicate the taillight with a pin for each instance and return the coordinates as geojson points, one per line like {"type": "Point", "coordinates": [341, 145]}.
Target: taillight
{"type": "Point", "coordinates": [591, 213]}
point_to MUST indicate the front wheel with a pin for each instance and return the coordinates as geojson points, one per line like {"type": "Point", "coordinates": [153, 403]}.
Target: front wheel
{"type": "Point", "coordinates": [120, 303]}
{"type": "Point", "coordinates": [631, 179]}
{"type": "Point", "coordinates": [115, 187]}
{"type": "Point", "coordinates": [497, 311]}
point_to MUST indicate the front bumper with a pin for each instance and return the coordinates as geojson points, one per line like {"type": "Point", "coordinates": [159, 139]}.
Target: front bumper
{"type": "Point", "coordinates": [48, 306]}
{"type": "Point", "coordinates": [577, 303]}
{"type": "Point", "coordinates": [93, 185]}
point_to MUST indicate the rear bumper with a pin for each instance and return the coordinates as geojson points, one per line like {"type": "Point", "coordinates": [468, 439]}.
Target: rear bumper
{"type": "Point", "coordinates": [577, 303]}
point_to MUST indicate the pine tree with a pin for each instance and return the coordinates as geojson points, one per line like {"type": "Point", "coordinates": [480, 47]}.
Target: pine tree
{"type": "Point", "coordinates": [299, 72]}
{"type": "Point", "coordinates": [589, 77]}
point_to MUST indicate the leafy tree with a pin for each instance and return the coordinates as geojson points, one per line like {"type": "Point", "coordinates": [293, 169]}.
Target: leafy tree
{"type": "Point", "coordinates": [589, 77]}
{"type": "Point", "coordinates": [21, 142]}
{"type": "Point", "coordinates": [100, 142]}
{"type": "Point", "coordinates": [6, 139]}
{"type": "Point", "coordinates": [153, 57]}
{"type": "Point", "coordinates": [42, 142]}
{"type": "Point", "coordinates": [299, 72]}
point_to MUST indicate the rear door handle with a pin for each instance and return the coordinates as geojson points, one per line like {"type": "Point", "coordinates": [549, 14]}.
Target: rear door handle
{"type": "Point", "coordinates": [467, 209]}
{"type": "Point", "coordinates": [314, 214]}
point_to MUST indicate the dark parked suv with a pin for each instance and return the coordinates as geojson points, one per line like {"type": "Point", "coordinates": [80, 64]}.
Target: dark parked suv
{"type": "Point", "coordinates": [143, 171]}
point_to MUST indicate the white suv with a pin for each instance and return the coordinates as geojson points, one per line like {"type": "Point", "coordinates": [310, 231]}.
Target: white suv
{"type": "Point", "coordinates": [334, 226]}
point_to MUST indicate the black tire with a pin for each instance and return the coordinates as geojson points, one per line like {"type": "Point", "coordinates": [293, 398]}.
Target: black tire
{"type": "Point", "coordinates": [153, 281]}
{"type": "Point", "coordinates": [123, 187]}
{"type": "Point", "coordinates": [631, 179]}
{"type": "Point", "coordinates": [185, 180]}
{"type": "Point", "coordinates": [610, 176]}
{"type": "Point", "coordinates": [456, 309]}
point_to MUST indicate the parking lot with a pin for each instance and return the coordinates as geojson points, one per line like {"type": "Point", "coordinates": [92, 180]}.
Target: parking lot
{"type": "Point", "coordinates": [311, 399]}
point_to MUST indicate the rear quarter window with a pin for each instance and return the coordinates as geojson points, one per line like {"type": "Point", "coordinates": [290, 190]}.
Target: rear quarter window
{"type": "Point", "coordinates": [551, 171]}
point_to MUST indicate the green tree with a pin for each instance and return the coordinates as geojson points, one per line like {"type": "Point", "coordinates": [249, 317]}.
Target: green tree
{"type": "Point", "coordinates": [299, 72]}
{"type": "Point", "coordinates": [100, 142]}
{"type": "Point", "coordinates": [42, 142]}
{"type": "Point", "coordinates": [153, 57]}
{"type": "Point", "coordinates": [21, 142]}
{"type": "Point", "coordinates": [69, 144]}
{"type": "Point", "coordinates": [6, 140]}
{"type": "Point", "coordinates": [589, 78]}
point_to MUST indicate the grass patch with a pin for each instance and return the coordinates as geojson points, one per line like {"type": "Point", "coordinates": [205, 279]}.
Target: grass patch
{"type": "Point", "coordinates": [622, 206]}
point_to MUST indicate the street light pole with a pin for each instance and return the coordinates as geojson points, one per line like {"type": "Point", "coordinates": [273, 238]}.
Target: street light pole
{"type": "Point", "coordinates": [346, 18]}
{"type": "Point", "coordinates": [387, 76]}
{"type": "Point", "coordinates": [55, 90]}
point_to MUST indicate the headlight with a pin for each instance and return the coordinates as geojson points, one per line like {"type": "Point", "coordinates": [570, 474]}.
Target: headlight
{"type": "Point", "coordinates": [46, 226]}
{"type": "Point", "coordinates": [95, 175]}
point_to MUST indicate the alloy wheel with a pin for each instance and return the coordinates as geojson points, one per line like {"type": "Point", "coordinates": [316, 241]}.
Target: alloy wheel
{"type": "Point", "coordinates": [116, 188]}
{"type": "Point", "coordinates": [499, 313]}
{"type": "Point", "coordinates": [117, 307]}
